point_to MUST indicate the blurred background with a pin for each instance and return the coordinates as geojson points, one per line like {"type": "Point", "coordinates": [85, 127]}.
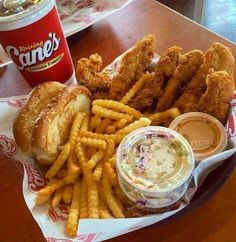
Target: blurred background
{"type": "Point", "coordinates": [217, 15]}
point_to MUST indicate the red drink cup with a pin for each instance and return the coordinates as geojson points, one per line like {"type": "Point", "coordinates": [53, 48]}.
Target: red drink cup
{"type": "Point", "coordinates": [34, 40]}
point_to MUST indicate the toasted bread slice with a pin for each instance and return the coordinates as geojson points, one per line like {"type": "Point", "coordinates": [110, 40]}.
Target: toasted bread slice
{"type": "Point", "coordinates": [25, 120]}
{"type": "Point", "coordinates": [54, 122]}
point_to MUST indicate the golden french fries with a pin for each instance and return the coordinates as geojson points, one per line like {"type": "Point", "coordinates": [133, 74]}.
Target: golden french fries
{"type": "Point", "coordinates": [110, 129]}
{"type": "Point", "coordinates": [94, 122]}
{"type": "Point", "coordinates": [104, 210]}
{"type": "Point", "coordinates": [112, 177]}
{"type": "Point", "coordinates": [103, 126]}
{"type": "Point", "coordinates": [110, 198]}
{"type": "Point", "coordinates": [95, 143]}
{"type": "Point", "coordinates": [85, 123]}
{"type": "Point", "coordinates": [93, 199]}
{"type": "Point", "coordinates": [51, 173]}
{"type": "Point", "coordinates": [83, 200]}
{"type": "Point", "coordinates": [67, 194]}
{"type": "Point", "coordinates": [133, 90]}
{"type": "Point", "coordinates": [112, 161]}
{"type": "Point", "coordinates": [85, 173]}
{"type": "Point", "coordinates": [73, 169]}
{"type": "Point", "coordinates": [45, 193]}
{"type": "Point", "coordinates": [142, 122]}
{"type": "Point", "coordinates": [117, 107]}
{"type": "Point", "coordinates": [158, 118]}
{"type": "Point", "coordinates": [57, 198]}
{"type": "Point", "coordinates": [73, 218]}
{"type": "Point", "coordinates": [110, 150]}
{"type": "Point", "coordinates": [120, 123]}
{"type": "Point", "coordinates": [78, 120]}
{"type": "Point", "coordinates": [108, 113]}
{"type": "Point", "coordinates": [95, 159]}
{"type": "Point", "coordinates": [97, 174]}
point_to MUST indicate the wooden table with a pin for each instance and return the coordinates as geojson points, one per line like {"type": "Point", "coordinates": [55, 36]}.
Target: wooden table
{"type": "Point", "coordinates": [215, 219]}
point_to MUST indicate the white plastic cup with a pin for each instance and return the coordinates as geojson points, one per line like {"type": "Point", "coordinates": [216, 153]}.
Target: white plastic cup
{"type": "Point", "coordinates": [157, 196]}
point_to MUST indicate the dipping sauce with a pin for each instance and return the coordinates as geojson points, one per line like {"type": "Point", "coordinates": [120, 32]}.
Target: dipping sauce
{"type": "Point", "coordinates": [206, 134]}
{"type": "Point", "coordinates": [154, 166]}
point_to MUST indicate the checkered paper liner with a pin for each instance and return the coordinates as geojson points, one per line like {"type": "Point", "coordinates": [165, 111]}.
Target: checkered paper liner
{"type": "Point", "coordinates": [52, 221]}
{"type": "Point", "coordinates": [77, 15]}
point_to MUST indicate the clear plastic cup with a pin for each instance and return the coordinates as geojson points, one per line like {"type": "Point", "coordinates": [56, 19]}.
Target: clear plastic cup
{"type": "Point", "coordinates": [154, 166]}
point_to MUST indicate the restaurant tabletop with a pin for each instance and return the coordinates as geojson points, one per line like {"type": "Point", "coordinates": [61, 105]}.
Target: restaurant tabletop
{"type": "Point", "coordinates": [215, 218]}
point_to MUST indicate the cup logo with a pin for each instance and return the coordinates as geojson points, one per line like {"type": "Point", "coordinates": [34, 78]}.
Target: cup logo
{"type": "Point", "coordinates": [27, 57]}
{"type": "Point", "coordinates": [35, 180]}
{"type": "Point", "coordinates": [7, 145]}
{"type": "Point", "coordinates": [230, 125]}
{"type": "Point", "coordinates": [59, 213]}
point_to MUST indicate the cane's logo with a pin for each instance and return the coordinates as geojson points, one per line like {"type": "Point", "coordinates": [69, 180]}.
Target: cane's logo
{"type": "Point", "coordinates": [83, 238]}
{"type": "Point", "coordinates": [35, 180]}
{"type": "Point", "coordinates": [230, 125]}
{"type": "Point", "coordinates": [28, 58]}
{"type": "Point", "coordinates": [59, 213]}
{"type": "Point", "coordinates": [18, 103]}
{"type": "Point", "coordinates": [7, 145]}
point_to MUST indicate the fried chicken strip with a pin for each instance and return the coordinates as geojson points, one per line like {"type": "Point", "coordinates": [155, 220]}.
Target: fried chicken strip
{"type": "Point", "coordinates": [218, 57]}
{"type": "Point", "coordinates": [131, 67]}
{"type": "Point", "coordinates": [221, 58]}
{"type": "Point", "coordinates": [169, 61]}
{"type": "Point", "coordinates": [87, 74]}
{"type": "Point", "coordinates": [154, 83]}
{"type": "Point", "coordinates": [189, 63]}
{"type": "Point", "coordinates": [144, 96]}
{"type": "Point", "coordinates": [219, 92]}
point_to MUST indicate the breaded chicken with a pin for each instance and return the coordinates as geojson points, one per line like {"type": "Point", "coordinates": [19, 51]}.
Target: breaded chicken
{"type": "Point", "coordinates": [219, 92]}
{"type": "Point", "coordinates": [144, 97]}
{"type": "Point", "coordinates": [218, 57]}
{"type": "Point", "coordinates": [221, 58]}
{"type": "Point", "coordinates": [166, 66]}
{"type": "Point", "coordinates": [154, 83]}
{"type": "Point", "coordinates": [189, 63]}
{"type": "Point", "coordinates": [87, 74]}
{"type": "Point", "coordinates": [169, 61]}
{"type": "Point", "coordinates": [131, 67]}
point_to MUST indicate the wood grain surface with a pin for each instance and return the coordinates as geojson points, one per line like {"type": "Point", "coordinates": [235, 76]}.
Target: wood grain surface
{"type": "Point", "coordinates": [215, 219]}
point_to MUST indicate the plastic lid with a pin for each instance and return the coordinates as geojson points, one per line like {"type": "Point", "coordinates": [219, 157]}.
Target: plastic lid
{"type": "Point", "coordinates": [205, 133]}
{"type": "Point", "coordinates": [24, 17]}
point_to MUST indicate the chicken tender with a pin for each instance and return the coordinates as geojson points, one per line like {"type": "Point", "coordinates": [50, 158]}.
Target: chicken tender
{"type": "Point", "coordinates": [218, 57]}
{"type": "Point", "coordinates": [146, 94]}
{"type": "Point", "coordinates": [166, 66]}
{"type": "Point", "coordinates": [189, 63]}
{"type": "Point", "coordinates": [219, 92]}
{"type": "Point", "coordinates": [221, 58]}
{"type": "Point", "coordinates": [87, 74]}
{"type": "Point", "coordinates": [154, 83]}
{"type": "Point", "coordinates": [169, 61]}
{"type": "Point", "coordinates": [131, 67]}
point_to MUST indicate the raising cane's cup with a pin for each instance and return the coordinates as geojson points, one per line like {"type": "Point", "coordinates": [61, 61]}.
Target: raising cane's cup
{"type": "Point", "coordinates": [31, 34]}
